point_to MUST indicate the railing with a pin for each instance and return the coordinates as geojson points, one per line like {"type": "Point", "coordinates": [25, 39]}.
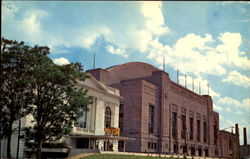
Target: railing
{"type": "Point", "coordinates": [82, 130]}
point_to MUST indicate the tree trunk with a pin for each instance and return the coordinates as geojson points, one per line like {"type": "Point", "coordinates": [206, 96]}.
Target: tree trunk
{"type": "Point", "coordinates": [9, 140]}
{"type": "Point", "coordinates": [39, 150]}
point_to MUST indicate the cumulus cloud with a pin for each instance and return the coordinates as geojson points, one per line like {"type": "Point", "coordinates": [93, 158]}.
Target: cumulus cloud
{"type": "Point", "coordinates": [117, 51]}
{"type": "Point", "coordinates": [136, 34]}
{"type": "Point", "coordinates": [188, 54]}
{"type": "Point", "coordinates": [218, 108]}
{"type": "Point", "coordinates": [199, 83]}
{"type": "Point", "coordinates": [202, 54]}
{"type": "Point", "coordinates": [237, 79]}
{"type": "Point", "coordinates": [228, 101]}
{"type": "Point", "coordinates": [239, 112]}
{"type": "Point", "coordinates": [61, 61]}
{"type": "Point", "coordinates": [154, 17]}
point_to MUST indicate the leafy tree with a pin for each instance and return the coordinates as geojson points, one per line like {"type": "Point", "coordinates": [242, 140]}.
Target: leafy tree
{"type": "Point", "coordinates": [58, 100]}
{"type": "Point", "coordinates": [32, 84]}
{"type": "Point", "coordinates": [15, 91]}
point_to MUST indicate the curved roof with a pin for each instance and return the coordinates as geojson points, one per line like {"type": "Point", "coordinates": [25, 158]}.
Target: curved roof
{"type": "Point", "coordinates": [129, 64]}
{"type": "Point", "coordinates": [130, 70]}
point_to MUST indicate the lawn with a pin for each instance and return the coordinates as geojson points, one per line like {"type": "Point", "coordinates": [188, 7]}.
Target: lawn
{"type": "Point", "coordinates": [107, 156]}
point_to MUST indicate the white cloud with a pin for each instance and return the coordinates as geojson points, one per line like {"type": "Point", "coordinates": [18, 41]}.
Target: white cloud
{"type": "Point", "coordinates": [218, 108]}
{"type": "Point", "coordinates": [199, 55]}
{"type": "Point", "coordinates": [228, 109]}
{"type": "Point", "coordinates": [61, 61]}
{"type": "Point", "coordinates": [189, 54]}
{"type": "Point", "coordinates": [31, 23]}
{"type": "Point", "coordinates": [239, 112]}
{"type": "Point", "coordinates": [227, 101]}
{"type": "Point", "coordinates": [198, 82]}
{"type": "Point", "coordinates": [117, 51]}
{"type": "Point", "coordinates": [237, 79]}
{"type": "Point", "coordinates": [229, 51]}
{"type": "Point", "coordinates": [154, 17]}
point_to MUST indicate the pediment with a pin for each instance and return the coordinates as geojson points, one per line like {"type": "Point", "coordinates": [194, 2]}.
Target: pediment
{"type": "Point", "coordinates": [93, 83]}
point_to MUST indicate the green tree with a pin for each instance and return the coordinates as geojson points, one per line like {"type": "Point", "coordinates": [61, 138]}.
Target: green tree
{"type": "Point", "coordinates": [15, 91]}
{"type": "Point", "coordinates": [58, 100]}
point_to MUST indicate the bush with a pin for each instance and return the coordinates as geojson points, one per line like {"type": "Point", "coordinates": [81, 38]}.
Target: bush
{"type": "Point", "coordinates": [48, 145]}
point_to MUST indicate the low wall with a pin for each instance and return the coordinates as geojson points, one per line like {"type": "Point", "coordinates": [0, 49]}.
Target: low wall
{"type": "Point", "coordinates": [157, 155]}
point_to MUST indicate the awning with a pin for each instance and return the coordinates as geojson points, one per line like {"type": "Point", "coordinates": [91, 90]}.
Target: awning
{"type": "Point", "coordinates": [102, 137]}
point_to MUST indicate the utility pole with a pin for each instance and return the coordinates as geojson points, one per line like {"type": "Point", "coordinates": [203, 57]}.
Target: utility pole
{"type": "Point", "coordinates": [177, 76]}
{"type": "Point", "coordinates": [94, 62]}
{"type": "Point", "coordinates": [199, 87]}
{"type": "Point", "coordinates": [193, 84]}
{"type": "Point", "coordinates": [164, 63]}
{"type": "Point", "coordinates": [185, 81]}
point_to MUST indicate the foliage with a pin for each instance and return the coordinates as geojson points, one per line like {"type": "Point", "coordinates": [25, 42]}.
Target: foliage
{"type": "Point", "coordinates": [49, 145]}
{"type": "Point", "coordinates": [32, 84]}
{"type": "Point", "coordinates": [16, 93]}
{"type": "Point", "coordinates": [57, 100]}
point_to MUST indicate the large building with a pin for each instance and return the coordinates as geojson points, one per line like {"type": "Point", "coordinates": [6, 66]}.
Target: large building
{"type": "Point", "coordinates": [163, 116]}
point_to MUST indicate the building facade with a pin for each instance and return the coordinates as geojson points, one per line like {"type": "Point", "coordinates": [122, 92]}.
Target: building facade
{"type": "Point", "coordinates": [96, 130]}
{"type": "Point", "coordinates": [91, 130]}
{"type": "Point", "coordinates": [229, 142]}
{"type": "Point", "coordinates": [163, 116]}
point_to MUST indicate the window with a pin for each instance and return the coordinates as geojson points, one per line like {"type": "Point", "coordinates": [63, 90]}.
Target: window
{"type": "Point", "coordinates": [121, 117]}
{"type": "Point", "coordinates": [151, 119]}
{"type": "Point", "coordinates": [107, 120]}
{"type": "Point", "coordinates": [82, 121]}
{"type": "Point", "coordinates": [205, 132]}
{"type": "Point", "coordinates": [183, 125]}
{"type": "Point", "coordinates": [198, 130]}
{"type": "Point", "coordinates": [215, 134]}
{"type": "Point", "coordinates": [152, 145]}
{"type": "Point", "coordinates": [191, 120]}
{"type": "Point", "coordinates": [174, 125]}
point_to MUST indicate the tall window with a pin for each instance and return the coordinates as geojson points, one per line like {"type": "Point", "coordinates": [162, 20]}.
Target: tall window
{"type": "Point", "coordinates": [151, 119]}
{"type": "Point", "coordinates": [174, 125]}
{"type": "Point", "coordinates": [198, 130]}
{"type": "Point", "coordinates": [215, 134]}
{"type": "Point", "coordinates": [107, 120]}
{"type": "Point", "coordinates": [183, 125]}
{"type": "Point", "coordinates": [82, 121]}
{"type": "Point", "coordinates": [205, 132]}
{"type": "Point", "coordinates": [191, 124]}
{"type": "Point", "coordinates": [121, 117]}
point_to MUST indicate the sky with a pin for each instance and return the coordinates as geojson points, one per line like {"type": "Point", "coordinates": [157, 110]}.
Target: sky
{"type": "Point", "coordinates": [207, 41]}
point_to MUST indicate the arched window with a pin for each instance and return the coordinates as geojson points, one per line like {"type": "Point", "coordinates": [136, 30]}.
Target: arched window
{"type": "Point", "coordinates": [107, 120]}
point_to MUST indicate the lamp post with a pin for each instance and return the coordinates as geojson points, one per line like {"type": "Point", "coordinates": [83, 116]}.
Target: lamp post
{"type": "Point", "coordinates": [18, 135]}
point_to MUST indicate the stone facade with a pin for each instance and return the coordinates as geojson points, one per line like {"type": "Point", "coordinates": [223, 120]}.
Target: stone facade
{"type": "Point", "coordinates": [160, 114]}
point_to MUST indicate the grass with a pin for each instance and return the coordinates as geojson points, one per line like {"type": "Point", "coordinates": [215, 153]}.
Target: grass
{"type": "Point", "coordinates": [108, 156]}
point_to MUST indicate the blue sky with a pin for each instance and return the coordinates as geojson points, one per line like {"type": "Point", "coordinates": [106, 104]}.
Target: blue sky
{"type": "Point", "coordinates": [208, 41]}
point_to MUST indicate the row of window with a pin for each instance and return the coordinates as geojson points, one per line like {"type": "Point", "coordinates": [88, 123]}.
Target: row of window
{"type": "Point", "coordinates": [82, 121]}
{"type": "Point", "coordinates": [191, 129]}
{"type": "Point", "coordinates": [152, 145]}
